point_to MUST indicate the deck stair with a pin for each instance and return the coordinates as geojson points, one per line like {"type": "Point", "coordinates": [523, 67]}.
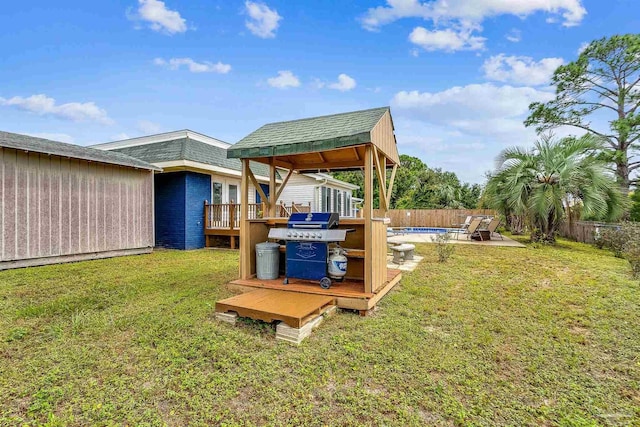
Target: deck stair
{"type": "Point", "coordinates": [293, 308]}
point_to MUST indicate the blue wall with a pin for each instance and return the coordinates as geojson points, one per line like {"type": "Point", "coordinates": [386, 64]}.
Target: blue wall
{"type": "Point", "coordinates": [179, 209]}
{"type": "Point", "coordinates": [198, 190]}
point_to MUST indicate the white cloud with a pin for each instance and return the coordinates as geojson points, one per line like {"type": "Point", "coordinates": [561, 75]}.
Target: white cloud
{"type": "Point", "coordinates": [449, 40]}
{"type": "Point", "coordinates": [263, 21]}
{"type": "Point", "coordinates": [571, 11]}
{"type": "Point", "coordinates": [193, 66]}
{"type": "Point", "coordinates": [463, 128]}
{"type": "Point", "coordinates": [344, 83]}
{"type": "Point", "coordinates": [159, 18]}
{"type": "Point", "coordinates": [46, 106]}
{"type": "Point", "coordinates": [514, 36]}
{"type": "Point", "coordinates": [475, 108]}
{"type": "Point", "coordinates": [457, 22]}
{"type": "Point", "coordinates": [520, 69]}
{"type": "Point", "coordinates": [284, 80]}
{"type": "Point", "coordinates": [148, 127]}
{"type": "Point", "coordinates": [60, 137]}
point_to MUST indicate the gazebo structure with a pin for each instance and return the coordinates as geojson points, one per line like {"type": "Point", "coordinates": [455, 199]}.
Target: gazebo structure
{"type": "Point", "coordinates": [359, 140]}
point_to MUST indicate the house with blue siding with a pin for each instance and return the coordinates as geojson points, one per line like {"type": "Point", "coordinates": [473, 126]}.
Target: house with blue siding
{"type": "Point", "coordinates": [197, 194]}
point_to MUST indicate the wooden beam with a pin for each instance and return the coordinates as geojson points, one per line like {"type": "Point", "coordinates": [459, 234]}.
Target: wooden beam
{"type": "Point", "coordinates": [329, 165]}
{"type": "Point", "coordinates": [286, 179]}
{"type": "Point", "coordinates": [258, 188]}
{"type": "Point", "coordinates": [368, 214]}
{"type": "Point", "coordinates": [245, 242]}
{"type": "Point", "coordinates": [355, 151]}
{"type": "Point", "coordinates": [322, 159]}
{"type": "Point", "coordinates": [272, 188]}
{"type": "Point", "coordinates": [390, 189]}
{"type": "Point", "coordinates": [382, 184]}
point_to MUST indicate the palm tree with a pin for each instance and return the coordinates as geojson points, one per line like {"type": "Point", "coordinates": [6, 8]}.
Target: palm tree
{"type": "Point", "coordinates": [542, 183]}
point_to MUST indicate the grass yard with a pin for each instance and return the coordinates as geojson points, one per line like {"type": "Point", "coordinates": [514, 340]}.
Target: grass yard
{"type": "Point", "coordinates": [497, 336]}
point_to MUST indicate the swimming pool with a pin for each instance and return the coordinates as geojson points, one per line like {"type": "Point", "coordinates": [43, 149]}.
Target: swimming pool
{"type": "Point", "coordinates": [421, 230]}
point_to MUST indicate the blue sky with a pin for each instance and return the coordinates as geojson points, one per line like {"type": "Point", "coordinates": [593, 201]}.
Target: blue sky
{"type": "Point", "coordinates": [458, 74]}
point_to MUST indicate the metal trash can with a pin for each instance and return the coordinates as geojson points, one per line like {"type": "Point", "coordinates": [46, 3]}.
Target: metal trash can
{"type": "Point", "coordinates": [267, 260]}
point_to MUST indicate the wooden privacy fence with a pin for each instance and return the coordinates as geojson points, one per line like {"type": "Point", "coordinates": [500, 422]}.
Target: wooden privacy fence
{"type": "Point", "coordinates": [429, 217]}
{"type": "Point", "coordinates": [582, 231]}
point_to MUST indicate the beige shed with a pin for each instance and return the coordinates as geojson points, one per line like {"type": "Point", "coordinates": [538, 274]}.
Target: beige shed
{"type": "Point", "coordinates": [62, 202]}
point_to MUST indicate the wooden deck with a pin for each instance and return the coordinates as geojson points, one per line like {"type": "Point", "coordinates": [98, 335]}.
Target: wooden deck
{"type": "Point", "coordinates": [348, 294]}
{"type": "Point", "coordinates": [293, 308]}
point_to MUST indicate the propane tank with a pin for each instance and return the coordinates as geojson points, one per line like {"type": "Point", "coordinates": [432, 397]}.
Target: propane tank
{"type": "Point", "coordinates": [337, 264]}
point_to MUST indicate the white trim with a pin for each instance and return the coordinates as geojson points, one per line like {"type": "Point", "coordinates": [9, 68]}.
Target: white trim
{"type": "Point", "coordinates": [188, 164]}
{"type": "Point", "coordinates": [161, 137]}
{"type": "Point", "coordinates": [332, 180]}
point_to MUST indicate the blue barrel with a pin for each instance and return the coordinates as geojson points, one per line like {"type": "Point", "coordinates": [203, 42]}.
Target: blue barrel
{"type": "Point", "coordinates": [267, 260]}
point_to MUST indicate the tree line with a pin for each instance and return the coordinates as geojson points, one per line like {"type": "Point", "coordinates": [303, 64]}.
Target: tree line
{"type": "Point", "coordinates": [417, 186]}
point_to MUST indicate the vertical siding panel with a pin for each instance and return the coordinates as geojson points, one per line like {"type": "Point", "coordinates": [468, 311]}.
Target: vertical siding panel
{"type": "Point", "coordinates": [9, 184]}
{"type": "Point", "coordinates": [84, 206]}
{"type": "Point", "coordinates": [111, 206]}
{"type": "Point", "coordinates": [3, 203]}
{"type": "Point", "coordinates": [33, 208]}
{"type": "Point", "coordinates": [122, 204]}
{"type": "Point", "coordinates": [148, 213]}
{"type": "Point", "coordinates": [65, 206]}
{"type": "Point", "coordinates": [55, 187]}
{"type": "Point", "coordinates": [74, 206]}
{"type": "Point", "coordinates": [45, 205]}
{"type": "Point", "coordinates": [130, 210]}
{"type": "Point", "coordinates": [92, 207]}
{"type": "Point", "coordinates": [100, 213]}
{"type": "Point", "coordinates": [22, 201]}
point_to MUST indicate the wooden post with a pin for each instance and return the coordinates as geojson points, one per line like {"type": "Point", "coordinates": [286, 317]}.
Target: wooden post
{"type": "Point", "coordinates": [368, 214]}
{"type": "Point", "coordinates": [206, 223]}
{"type": "Point", "coordinates": [273, 191]}
{"type": "Point", "coordinates": [245, 241]}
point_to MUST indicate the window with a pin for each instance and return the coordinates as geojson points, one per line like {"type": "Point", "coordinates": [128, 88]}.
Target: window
{"type": "Point", "coordinates": [216, 193]}
{"type": "Point", "coordinates": [347, 207]}
{"type": "Point", "coordinates": [334, 207]}
{"type": "Point", "coordinates": [340, 204]}
{"type": "Point", "coordinates": [326, 199]}
{"type": "Point", "coordinates": [233, 193]}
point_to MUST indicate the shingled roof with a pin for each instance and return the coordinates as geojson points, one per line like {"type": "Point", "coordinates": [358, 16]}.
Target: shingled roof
{"type": "Point", "coordinates": [188, 149]}
{"type": "Point", "coordinates": [40, 145]}
{"type": "Point", "coordinates": [308, 135]}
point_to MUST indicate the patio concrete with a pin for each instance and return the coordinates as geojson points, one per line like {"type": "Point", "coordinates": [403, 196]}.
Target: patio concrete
{"type": "Point", "coordinates": [463, 240]}
{"type": "Point", "coordinates": [408, 265]}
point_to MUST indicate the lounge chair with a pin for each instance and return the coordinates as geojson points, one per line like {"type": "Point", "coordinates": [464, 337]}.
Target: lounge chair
{"type": "Point", "coordinates": [493, 226]}
{"type": "Point", "coordinates": [465, 224]}
{"type": "Point", "coordinates": [472, 228]}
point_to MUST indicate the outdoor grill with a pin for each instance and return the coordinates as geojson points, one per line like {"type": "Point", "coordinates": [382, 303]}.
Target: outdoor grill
{"type": "Point", "coordinates": [307, 238]}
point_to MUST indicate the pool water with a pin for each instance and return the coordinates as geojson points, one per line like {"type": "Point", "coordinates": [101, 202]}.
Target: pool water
{"type": "Point", "coordinates": [422, 230]}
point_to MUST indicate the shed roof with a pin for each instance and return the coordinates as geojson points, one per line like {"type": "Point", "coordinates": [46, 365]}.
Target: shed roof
{"type": "Point", "coordinates": [309, 135]}
{"type": "Point", "coordinates": [188, 149]}
{"type": "Point", "coordinates": [40, 145]}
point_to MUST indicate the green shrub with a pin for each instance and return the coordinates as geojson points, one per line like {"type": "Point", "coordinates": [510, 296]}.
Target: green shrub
{"type": "Point", "coordinates": [633, 256]}
{"type": "Point", "coordinates": [624, 242]}
{"type": "Point", "coordinates": [443, 247]}
{"type": "Point", "coordinates": [614, 239]}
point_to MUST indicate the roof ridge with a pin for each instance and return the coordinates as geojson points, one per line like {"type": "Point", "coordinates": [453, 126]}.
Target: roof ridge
{"type": "Point", "coordinates": [58, 148]}
{"type": "Point", "coordinates": [328, 115]}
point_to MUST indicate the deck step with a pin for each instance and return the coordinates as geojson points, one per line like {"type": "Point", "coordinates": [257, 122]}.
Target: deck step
{"type": "Point", "coordinates": [293, 308]}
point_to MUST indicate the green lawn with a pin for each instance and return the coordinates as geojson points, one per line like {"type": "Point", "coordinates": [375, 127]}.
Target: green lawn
{"type": "Point", "coordinates": [497, 336]}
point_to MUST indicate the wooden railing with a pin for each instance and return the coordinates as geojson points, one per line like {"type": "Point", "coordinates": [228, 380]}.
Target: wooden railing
{"type": "Point", "coordinates": [227, 215]}
{"type": "Point", "coordinates": [284, 211]}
